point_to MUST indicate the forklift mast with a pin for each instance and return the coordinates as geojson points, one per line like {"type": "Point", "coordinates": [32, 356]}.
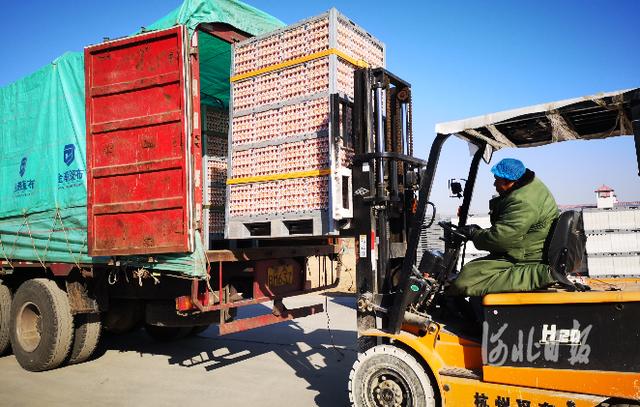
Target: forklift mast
{"type": "Point", "coordinates": [387, 213]}
{"type": "Point", "coordinates": [391, 190]}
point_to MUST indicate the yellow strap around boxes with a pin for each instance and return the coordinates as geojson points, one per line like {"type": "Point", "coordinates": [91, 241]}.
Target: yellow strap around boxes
{"type": "Point", "coordinates": [332, 51]}
{"type": "Point", "coordinates": [275, 177]}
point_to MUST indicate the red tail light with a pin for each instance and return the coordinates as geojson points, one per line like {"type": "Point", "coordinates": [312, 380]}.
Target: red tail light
{"type": "Point", "coordinates": [185, 303]}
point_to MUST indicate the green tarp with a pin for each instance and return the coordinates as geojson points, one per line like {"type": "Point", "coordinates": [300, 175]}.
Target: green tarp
{"type": "Point", "coordinates": [43, 216]}
{"type": "Point", "coordinates": [214, 77]}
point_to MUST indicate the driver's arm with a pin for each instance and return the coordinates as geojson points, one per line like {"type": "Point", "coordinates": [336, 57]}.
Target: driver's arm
{"type": "Point", "coordinates": [514, 221]}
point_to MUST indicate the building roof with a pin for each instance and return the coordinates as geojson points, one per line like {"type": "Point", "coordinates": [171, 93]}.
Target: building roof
{"type": "Point", "coordinates": [604, 188]}
{"type": "Point", "coordinates": [619, 205]}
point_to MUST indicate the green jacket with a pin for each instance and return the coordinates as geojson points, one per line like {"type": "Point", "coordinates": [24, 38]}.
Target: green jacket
{"type": "Point", "coordinates": [520, 221]}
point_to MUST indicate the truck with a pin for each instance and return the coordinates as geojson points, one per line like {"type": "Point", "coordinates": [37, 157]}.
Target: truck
{"type": "Point", "coordinates": [107, 219]}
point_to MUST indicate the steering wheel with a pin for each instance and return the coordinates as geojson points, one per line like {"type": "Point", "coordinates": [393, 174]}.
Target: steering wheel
{"type": "Point", "coordinates": [451, 229]}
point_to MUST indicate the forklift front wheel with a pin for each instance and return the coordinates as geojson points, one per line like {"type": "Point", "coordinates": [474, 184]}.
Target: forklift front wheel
{"type": "Point", "coordinates": [387, 376]}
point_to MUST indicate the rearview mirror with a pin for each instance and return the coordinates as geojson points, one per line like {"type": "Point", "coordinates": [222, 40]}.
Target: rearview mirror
{"type": "Point", "coordinates": [456, 187]}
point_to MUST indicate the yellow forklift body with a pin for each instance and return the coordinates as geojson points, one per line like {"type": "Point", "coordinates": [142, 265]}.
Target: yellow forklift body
{"type": "Point", "coordinates": [453, 360]}
{"type": "Point", "coordinates": [463, 379]}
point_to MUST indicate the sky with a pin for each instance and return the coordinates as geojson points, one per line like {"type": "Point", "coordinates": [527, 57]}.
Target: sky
{"type": "Point", "coordinates": [463, 59]}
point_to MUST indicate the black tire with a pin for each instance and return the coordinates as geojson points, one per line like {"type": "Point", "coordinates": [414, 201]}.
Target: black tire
{"type": "Point", "coordinates": [41, 325]}
{"type": "Point", "coordinates": [85, 337]}
{"type": "Point", "coordinates": [166, 333]}
{"type": "Point", "coordinates": [5, 318]}
{"type": "Point", "coordinates": [387, 375]}
{"type": "Point", "coordinates": [198, 329]}
{"type": "Point", "coordinates": [364, 343]}
{"type": "Point", "coordinates": [123, 316]}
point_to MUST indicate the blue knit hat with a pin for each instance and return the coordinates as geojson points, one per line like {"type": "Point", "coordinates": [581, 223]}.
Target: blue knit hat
{"type": "Point", "coordinates": [509, 168]}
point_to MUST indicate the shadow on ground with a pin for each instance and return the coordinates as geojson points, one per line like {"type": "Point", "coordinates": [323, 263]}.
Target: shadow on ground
{"type": "Point", "coordinates": [322, 356]}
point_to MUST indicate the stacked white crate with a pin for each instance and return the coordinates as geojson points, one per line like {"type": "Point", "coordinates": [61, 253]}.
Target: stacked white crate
{"type": "Point", "coordinates": [216, 129]}
{"type": "Point", "coordinates": [286, 165]}
{"type": "Point", "coordinates": [613, 241]}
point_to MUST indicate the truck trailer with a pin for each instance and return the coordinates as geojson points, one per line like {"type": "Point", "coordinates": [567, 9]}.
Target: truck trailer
{"type": "Point", "coordinates": [118, 171]}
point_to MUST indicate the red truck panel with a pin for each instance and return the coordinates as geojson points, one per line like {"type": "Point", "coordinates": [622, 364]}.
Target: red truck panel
{"type": "Point", "coordinates": [138, 146]}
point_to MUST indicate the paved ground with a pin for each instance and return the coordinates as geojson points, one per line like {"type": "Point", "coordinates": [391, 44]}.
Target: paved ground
{"type": "Point", "coordinates": [290, 364]}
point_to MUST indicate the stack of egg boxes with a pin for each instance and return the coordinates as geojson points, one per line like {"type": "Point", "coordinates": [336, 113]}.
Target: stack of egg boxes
{"type": "Point", "coordinates": [216, 130]}
{"type": "Point", "coordinates": [286, 166]}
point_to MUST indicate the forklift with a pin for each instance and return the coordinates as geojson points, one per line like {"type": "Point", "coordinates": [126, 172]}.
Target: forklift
{"type": "Point", "coordinates": [572, 344]}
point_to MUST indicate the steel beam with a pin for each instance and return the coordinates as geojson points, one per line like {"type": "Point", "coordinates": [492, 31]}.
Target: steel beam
{"type": "Point", "coordinates": [245, 324]}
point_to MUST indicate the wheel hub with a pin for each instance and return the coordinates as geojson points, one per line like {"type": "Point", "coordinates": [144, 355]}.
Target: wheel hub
{"type": "Point", "coordinates": [388, 392]}
{"type": "Point", "coordinates": [29, 326]}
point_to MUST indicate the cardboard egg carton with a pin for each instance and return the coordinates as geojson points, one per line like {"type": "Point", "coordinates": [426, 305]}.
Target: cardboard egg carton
{"type": "Point", "coordinates": [291, 157]}
{"type": "Point", "coordinates": [215, 137]}
{"type": "Point", "coordinates": [279, 124]}
{"type": "Point", "coordinates": [293, 196]}
{"type": "Point", "coordinates": [289, 171]}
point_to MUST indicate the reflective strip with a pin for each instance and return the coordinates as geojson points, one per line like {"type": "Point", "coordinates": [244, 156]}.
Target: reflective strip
{"type": "Point", "coordinates": [306, 58]}
{"type": "Point", "coordinates": [275, 177]}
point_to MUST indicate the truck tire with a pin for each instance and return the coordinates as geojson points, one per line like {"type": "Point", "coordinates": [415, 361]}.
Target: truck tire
{"type": "Point", "coordinates": [5, 318]}
{"type": "Point", "coordinates": [198, 329]}
{"type": "Point", "coordinates": [41, 325]}
{"type": "Point", "coordinates": [167, 333]}
{"type": "Point", "coordinates": [85, 337]}
{"type": "Point", "coordinates": [123, 316]}
{"type": "Point", "coordinates": [386, 375]}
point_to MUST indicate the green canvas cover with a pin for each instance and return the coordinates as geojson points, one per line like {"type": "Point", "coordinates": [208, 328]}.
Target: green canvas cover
{"type": "Point", "coordinates": [43, 214]}
{"type": "Point", "coordinates": [214, 77]}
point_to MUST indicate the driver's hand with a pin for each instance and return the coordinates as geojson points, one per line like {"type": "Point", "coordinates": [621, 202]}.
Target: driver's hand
{"type": "Point", "coordinates": [468, 231]}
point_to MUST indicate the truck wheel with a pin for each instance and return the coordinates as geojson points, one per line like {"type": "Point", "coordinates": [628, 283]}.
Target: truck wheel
{"type": "Point", "coordinates": [167, 333]}
{"type": "Point", "coordinates": [123, 316]}
{"type": "Point", "coordinates": [41, 325]}
{"type": "Point", "coordinates": [5, 318]}
{"type": "Point", "coordinates": [85, 338]}
{"type": "Point", "coordinates": [198, 329]}
{"type": "Point", "coordinates": [388, 376]}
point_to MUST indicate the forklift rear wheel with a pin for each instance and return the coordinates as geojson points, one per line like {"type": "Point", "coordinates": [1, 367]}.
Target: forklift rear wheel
{"type": "Point", "coordinates": [41, 325]}
{"type": "Point", "coordinates": [5, 316]}
{"type": "Point", "coordinates": [387, 376]}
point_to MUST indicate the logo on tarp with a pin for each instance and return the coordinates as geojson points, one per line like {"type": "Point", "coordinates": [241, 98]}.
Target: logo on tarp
{"type": "Point", "coordinates": [69, 154]}
{"type": "Point", "coordinates": [25, 186]}
{"type": "Point", "coordinates": [23, 166]}
{"type": "Point", "coordinates": [70, 178]}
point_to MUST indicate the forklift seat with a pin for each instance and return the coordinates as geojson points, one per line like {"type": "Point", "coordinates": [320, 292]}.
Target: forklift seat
{"type": "Point", "coordinates": [566, 247]}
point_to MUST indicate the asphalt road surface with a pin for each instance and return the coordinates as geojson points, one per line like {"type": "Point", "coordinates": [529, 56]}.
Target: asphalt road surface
{"type": "Point", "coordinates": [297, 363]}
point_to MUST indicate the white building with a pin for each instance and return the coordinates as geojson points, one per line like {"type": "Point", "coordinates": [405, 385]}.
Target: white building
{"type": "Point", "coordinates": [605, 198]}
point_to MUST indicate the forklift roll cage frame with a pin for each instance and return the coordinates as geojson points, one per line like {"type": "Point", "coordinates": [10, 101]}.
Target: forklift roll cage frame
{"type": "Point", "coordinates": [374, 215]}
{"type": "Point", "coordinates": [391, 191]}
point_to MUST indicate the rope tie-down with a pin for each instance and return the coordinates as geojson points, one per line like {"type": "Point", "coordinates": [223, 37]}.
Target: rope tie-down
{"type": "Point", "coordinates": [41, 248]}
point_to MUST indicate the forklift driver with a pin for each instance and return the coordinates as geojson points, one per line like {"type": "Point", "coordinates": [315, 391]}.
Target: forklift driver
{"type": "Point", "coordinates": [521, 216]}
